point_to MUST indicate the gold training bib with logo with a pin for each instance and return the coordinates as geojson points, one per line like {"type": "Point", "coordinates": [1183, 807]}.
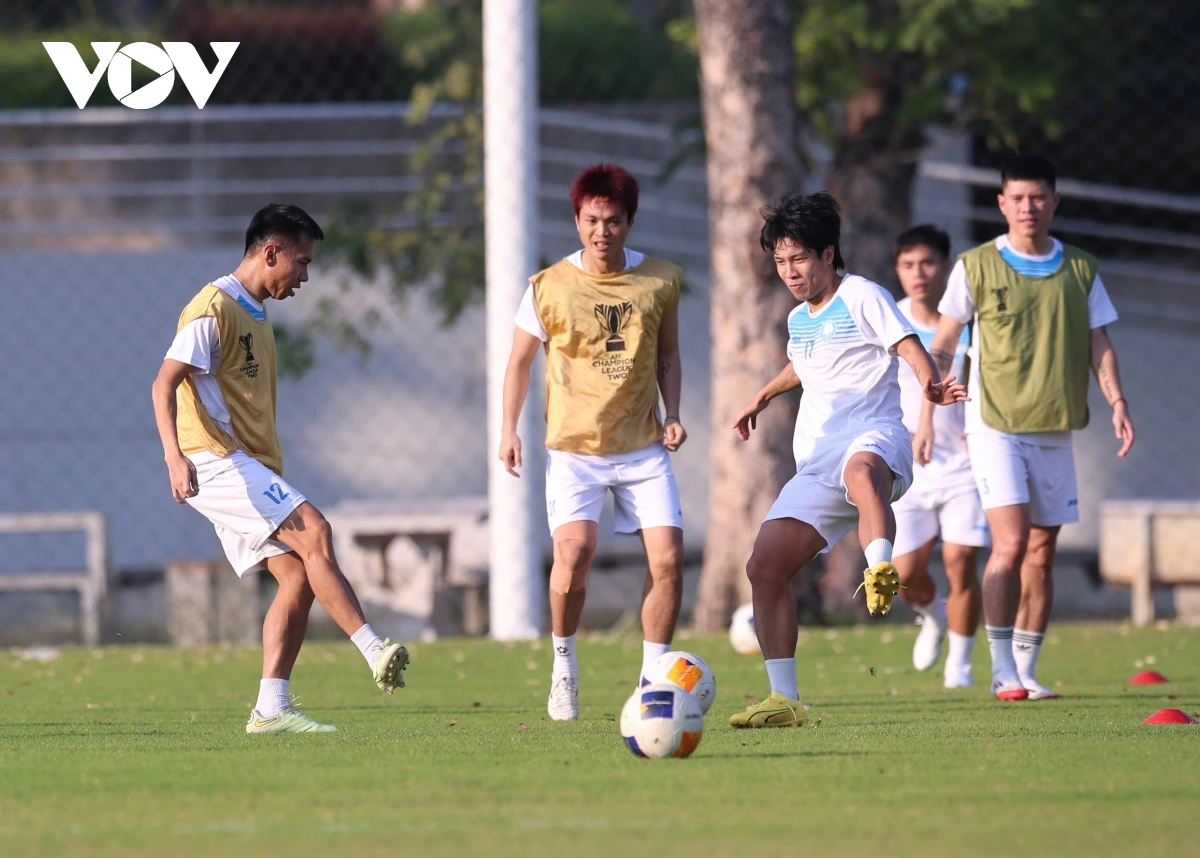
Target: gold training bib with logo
{"type": "Point", "coordinates": [245, 372]}
{"type": "Point", "coordinates": [602, 354]}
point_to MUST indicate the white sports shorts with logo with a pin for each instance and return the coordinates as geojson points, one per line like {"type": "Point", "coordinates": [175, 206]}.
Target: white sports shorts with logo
{"type": "Point", "coordinates": [246, 502]}
{"type": "Point", "coordinates": [935, 506]}
{"type": "Point", "coordinates": [642, 482]}
{"type": "Point", "coordinates": [817, 495]}
{"type": "Point", "coordinates": [1010, 471]}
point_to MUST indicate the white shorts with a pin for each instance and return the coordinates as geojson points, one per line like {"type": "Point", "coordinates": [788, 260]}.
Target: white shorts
{"type": "Point", "coordinates": [643, 487]}
{"type": "Point", "coordinates": [1009, 471]}
{"type": "Point", "coordinates": [817, 495]}
{"type": "Point", "coordinates": [246, 502]}
{"type": "Point", "coordinates": [953, 513]}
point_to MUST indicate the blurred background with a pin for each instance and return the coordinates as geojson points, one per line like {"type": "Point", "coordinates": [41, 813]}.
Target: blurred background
{"type": "Point", "coordinates": [369, 115]}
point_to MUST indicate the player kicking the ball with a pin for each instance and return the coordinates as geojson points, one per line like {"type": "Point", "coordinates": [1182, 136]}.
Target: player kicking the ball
{"type": "Point", "coordinates": [1040, 312]}
{"type": "Point", "coordinates": [214, 402]}
{"type": "Point", "coordinates": [942, 500]}
{"type": "Point", "coordinates": [607, 318]}
{"type": "Point", "coordinates": [853, 453]}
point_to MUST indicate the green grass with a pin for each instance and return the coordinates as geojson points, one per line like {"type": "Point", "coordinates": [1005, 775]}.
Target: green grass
{"type": "Point", "coordinates": [141, 750]}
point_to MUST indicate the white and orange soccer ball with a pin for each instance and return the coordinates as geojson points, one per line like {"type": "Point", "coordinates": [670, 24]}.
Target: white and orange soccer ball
{"type": "Point", "coordinates": [690, 672]}
{"type": "Point", "coordinates": [661, 720]}
{"type": "Point", "coordinates": [742, 635]}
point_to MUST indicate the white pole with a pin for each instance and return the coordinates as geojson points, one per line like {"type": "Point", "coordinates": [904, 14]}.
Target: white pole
{"type": "Point", "coordinates": [510, 178]}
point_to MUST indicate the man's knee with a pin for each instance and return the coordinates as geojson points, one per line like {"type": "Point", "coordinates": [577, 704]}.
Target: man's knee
{"type": "Point", "coordinates": [572, 559]}
{"type": "Point", "coordinates": [1009, 545]}
{"type": "Point", "coordinates": [666, 561]}
{"type": "Point", "coordinates": [763, 573]}
{"type": "Point", "coordinates": [868, 476]}
{"type": "Point", "coordinates": [307, 526]}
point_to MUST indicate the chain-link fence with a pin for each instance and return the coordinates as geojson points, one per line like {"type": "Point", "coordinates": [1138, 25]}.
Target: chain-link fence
{"type": "Point", "coordinates": [367, 114]}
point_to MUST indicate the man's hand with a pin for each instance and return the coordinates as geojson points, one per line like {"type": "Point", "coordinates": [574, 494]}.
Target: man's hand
{"type": "Point", "coordinates": [510, 452]}
{"type": "Point", "coordinates": [922, 443]}
{"type": "Point", "coordinates": [673, 434]}
{"type": "Point", "coordinates": [945, 392]}
{"type": "Point", "coordinates": [183, 478]}
{"type": "Point", "coordinates": [748, 419]}
{"type": "Point", "coordinates": [1123, 426]}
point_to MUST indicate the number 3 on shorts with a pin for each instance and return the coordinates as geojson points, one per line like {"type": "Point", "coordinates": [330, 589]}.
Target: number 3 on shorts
{"type": "Point", "coordinates": [276, 493]}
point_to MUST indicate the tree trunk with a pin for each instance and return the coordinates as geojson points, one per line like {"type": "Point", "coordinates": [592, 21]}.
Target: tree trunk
{"type": "Point", "coordinates": [876, 208]}
{"type": "Point", "coordinates": [750, 126]}
{"type": "Point", "coordinates": [875, 163]}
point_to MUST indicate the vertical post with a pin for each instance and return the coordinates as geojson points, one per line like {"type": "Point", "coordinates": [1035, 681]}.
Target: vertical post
{"type": "Point", "coordinates": [511, 178]}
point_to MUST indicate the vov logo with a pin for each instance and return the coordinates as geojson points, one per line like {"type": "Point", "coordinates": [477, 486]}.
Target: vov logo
{"type": "Point", "coordinates": [118, 61]}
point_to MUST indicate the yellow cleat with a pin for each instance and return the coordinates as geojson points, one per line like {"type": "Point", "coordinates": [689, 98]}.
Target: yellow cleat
{"type": "Point", "coordinates": [882, 583]}
{"type": "Point", "coordinates": [775, 711]}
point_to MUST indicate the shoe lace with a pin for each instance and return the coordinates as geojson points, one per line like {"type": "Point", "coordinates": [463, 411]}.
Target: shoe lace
{"type": "Point", "coordinates": [562, 690]}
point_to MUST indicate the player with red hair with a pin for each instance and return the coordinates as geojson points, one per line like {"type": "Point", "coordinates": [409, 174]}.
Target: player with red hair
{"type": "Point", "coordinates": [607, 317]}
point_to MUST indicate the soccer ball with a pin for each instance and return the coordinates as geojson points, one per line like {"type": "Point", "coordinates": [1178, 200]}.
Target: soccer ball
{"type": "Point", "coordinates": [741, 631]}
{"type": "Point", "coordinates": [690, 672]}
{"type": "Point", "coordinates": [661, 720]}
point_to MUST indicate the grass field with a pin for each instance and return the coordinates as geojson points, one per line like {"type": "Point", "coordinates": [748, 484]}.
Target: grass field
{"type": "Point", "coordinates": [141, 750]}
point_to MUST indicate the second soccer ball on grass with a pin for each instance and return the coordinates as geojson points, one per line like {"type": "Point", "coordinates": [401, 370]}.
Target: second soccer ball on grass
{"type": "Point", "coordinates": [742, 635]}
{"type": "Point", "coordinates": [690, 672]}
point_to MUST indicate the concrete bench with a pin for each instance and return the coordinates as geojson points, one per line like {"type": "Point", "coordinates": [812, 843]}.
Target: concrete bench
{"type": "Point", "coordinates": [90, 582]}
{"type": "Point", "coordinates": [408, 555]}
{"type": "Point", "coordinates": [1146, 544]}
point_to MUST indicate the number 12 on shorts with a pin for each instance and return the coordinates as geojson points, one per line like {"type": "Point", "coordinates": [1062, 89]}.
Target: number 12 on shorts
{"type": "Point", "coordinates": [276, 493]}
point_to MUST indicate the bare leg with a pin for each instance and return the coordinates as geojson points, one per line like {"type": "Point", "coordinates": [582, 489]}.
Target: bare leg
{"type": "Point", "coordinates": [916, 586]}
{"type": "Point", "coordinates": [964, 602]}
{"type": "Point", "coordinates": [663, 592]}
{"type": "Point", "coordinates": [308, 534]}
{"type": "Point", "coordinates": [1002, 577]}
{"type": "Point", "coordinates": [1037, 580]}
{"type": "Point", "coordinates": [287, 618]}
{"type": "Point", "coordinates": [869, 482]}
{"type": "Point", "coordinates": [574, 548]}
{"type": "Point", "coordinates": [784, 546]}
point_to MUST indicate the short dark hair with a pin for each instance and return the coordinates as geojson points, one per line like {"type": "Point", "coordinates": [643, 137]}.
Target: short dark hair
{"type": "Point", "coordinates": [281, 220]}
{"type": "Point", "coordinates": [1028, 167]}
{"type": "Point", "coordinates": [606, 182]}
{"type": "Point", "coordinates": [926, 234]}
{"type": "Point", "coordinates": [813, 221]}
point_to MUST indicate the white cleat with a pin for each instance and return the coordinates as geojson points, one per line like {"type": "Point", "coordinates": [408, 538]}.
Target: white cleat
{"type": "Point", "coordinates": [1037, 691]}
{"type": "Point", "coordinates": [563, 704]}
{"type": "Point", "coordinates": [958, 676]}
{"type": "Point", "coordinates": [928, 647]}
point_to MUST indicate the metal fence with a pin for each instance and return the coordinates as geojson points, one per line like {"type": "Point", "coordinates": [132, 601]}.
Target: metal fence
{"type": "Point", "coordinates": [111, 218]}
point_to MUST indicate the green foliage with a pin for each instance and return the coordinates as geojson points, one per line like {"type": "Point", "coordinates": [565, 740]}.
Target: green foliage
{"type": "Point", "coordinates": [598, 50]}
{"type": "Point", "coordinates": [984, 64]}
{"type": "Point", "coordinates": [140, 751]}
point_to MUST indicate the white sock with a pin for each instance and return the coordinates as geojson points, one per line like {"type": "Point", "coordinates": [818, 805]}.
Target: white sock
{"type": "Point", "coordinates": [368, 643]}
{"type": "Point", "coordinates": [782, 674]}
{"type": "Point", "coordinates": [1026, 646]}
{"type": "Point", "coordinates": [878, 551]}
{"type": "Point", "coordinates": [958, 653]}
{"type": "Point", "coordinates": [1004, 668]}
{"type": "Point", "coordinates": [565, 662]}
{"type": "Point", "coordinates": [935, 610]}
{"type": "Point", "coordinates": [272, 697]}
{"type": "Point", "coordinates": [651, 652]}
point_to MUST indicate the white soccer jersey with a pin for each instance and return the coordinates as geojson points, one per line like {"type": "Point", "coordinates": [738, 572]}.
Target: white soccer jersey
{"type": "Point", "coordinates": [950, 464]}
{"type": "Point", "coordinates": [845, 357]}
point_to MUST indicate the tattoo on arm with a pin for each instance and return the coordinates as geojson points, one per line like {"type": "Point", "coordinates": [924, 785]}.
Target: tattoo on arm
{"type": "Point", "coordinates": [1106, 385]}
{"type": "Point", "coordinates": [942, 360]}
{"type": "Point", "coordinates": [664, 366]}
